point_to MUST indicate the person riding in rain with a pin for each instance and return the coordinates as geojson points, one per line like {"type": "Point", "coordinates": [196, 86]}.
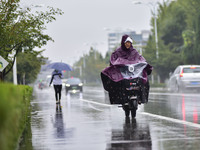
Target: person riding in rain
{"type": "Point", "coordinates": [57, 83]}
{"type": "Point", "coordinates": [112, 77]}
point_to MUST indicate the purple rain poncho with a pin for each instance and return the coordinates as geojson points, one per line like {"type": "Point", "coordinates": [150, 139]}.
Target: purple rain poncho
{"type": "Point", "coordinates": [112, 76]}
{"type": "Point", "coordinates": [123, 56]}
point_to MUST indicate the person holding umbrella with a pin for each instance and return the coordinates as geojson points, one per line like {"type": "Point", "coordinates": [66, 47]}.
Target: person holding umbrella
{"type": "Point", "coordinates": [57, 83]}
{"type": "Point", "coordinates": [57, 76]}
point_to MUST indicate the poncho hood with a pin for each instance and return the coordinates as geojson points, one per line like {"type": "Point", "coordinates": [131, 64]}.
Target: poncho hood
{"type": "Point", "coordinates": [122, 55]}
{"type": "Point", "coordinates": [123, 40]}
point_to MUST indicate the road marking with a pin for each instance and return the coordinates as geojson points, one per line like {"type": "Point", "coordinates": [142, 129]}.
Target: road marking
{"type": "Point", "coordinates": [147, 114]}
{"type": "Point", "coordinates": [94, 107]}
{"type": "Point", "coordinates": [176, 94]}
{"type": "Point", "coordinates": [172, 119]}
{"type": "Point", "coordinates": [129, 141]}
{"type": "Point", "coordinates": [166, 139]}
{"type": "Point", "coordinates": [179, 138]}
{"type": "Point", "coordinates": [97, 103]}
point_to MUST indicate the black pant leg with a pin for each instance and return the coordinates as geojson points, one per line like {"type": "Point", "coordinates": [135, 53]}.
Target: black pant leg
{"type": "Point", "coordinates": [56, 91]}
{"type": "Point", "coordinates": [59, 91]}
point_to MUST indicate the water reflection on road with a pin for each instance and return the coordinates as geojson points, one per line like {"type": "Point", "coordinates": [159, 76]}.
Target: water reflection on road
{"type": "Point", "coordinates": [86, 121]}
{"type": "Point", "coordinates": [182, 106]}
{"type": "Point", "coordinates": [58, 122]}
{"type": "Point", "coordinates": [133, 135]}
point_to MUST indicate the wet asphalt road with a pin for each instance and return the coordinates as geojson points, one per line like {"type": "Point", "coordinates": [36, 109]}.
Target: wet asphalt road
{"type": "Point", "coordinates": [87, 122]}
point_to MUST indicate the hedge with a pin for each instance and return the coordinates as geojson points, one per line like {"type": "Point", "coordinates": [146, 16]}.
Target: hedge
{"type": "Point", "coordinates": [14, 113]}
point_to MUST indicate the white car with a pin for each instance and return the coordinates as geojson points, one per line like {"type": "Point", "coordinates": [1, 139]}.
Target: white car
{"type": "Point", "coordinates": [185, 77]}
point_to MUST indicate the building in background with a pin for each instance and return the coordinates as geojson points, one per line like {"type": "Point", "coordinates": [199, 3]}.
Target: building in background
{"type": "Point", "coordinates": [140, 40]}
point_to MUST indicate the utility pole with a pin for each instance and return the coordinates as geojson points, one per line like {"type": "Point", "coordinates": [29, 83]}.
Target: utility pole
{"type": "Point", "coordinates": [15, 72]}
{"type": "Point", "coordinates": [156, 32]}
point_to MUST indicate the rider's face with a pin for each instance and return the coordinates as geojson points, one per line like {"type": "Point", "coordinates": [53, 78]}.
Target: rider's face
{"type": "Point", "coordinates": [128, 44]}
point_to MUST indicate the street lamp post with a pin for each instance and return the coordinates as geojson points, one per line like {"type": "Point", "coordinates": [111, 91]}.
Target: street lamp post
{"type": "Point", "coordinates": [84, 64]}
{"type": "Point", "coordinates": [156, 31]}
{"type": "Point", "coordinates": [84, 67]}
{"type": "Point", "coordinates": [155, 20]}
{"type": "Point", "coordinates": [15, 72]}
{"type": "Point", "coordinates": [155, 23]}
{"type": "Point", "coordinates": [14, 66]}
{"type": "Point", "coordinates": [95, 45]}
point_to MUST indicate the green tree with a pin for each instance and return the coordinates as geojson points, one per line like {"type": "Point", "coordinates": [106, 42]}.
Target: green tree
{"type": "Point", "coordinates": [192, 34]}
{"type": "Point", "coordinates": [93, 66]}
{"type": "Point", "coordinates": [21, 29]}
{"type": "Point", "coordinates": [171, 24]}
{"type": "Point", "coordinates": [28, 66]}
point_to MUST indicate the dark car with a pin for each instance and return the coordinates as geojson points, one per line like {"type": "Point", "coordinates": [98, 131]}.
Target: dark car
{"type": "Point", "coordinates": [73, 85]}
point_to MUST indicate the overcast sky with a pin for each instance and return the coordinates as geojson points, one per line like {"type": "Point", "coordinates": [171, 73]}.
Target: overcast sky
{"type": "Point", "coordinates": [84, 22]}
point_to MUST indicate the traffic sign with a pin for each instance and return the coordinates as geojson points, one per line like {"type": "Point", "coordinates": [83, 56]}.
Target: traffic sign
{"type": "Point", "coordinates": [3, 64]}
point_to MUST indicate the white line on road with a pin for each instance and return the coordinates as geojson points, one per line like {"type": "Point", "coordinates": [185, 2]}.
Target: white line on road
{"type": "Point", "coordinates": [97, 103]}
{"type": "Point", "coordinates": [165, 139]}
{"type": "Point", "coordinates": [172, 119]}
{"type": "Point", "coordinates": [176, 94]}
{"type": "Point", "coordinates": [149, 114]}
{"type": "Point", "coordinates": [94, 107]}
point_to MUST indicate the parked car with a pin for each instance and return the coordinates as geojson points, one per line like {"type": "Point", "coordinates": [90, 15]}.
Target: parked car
{"type": "Point", "coordinates": [185, 77]}
{"type": "Point", "coordinates": [73, 85]}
